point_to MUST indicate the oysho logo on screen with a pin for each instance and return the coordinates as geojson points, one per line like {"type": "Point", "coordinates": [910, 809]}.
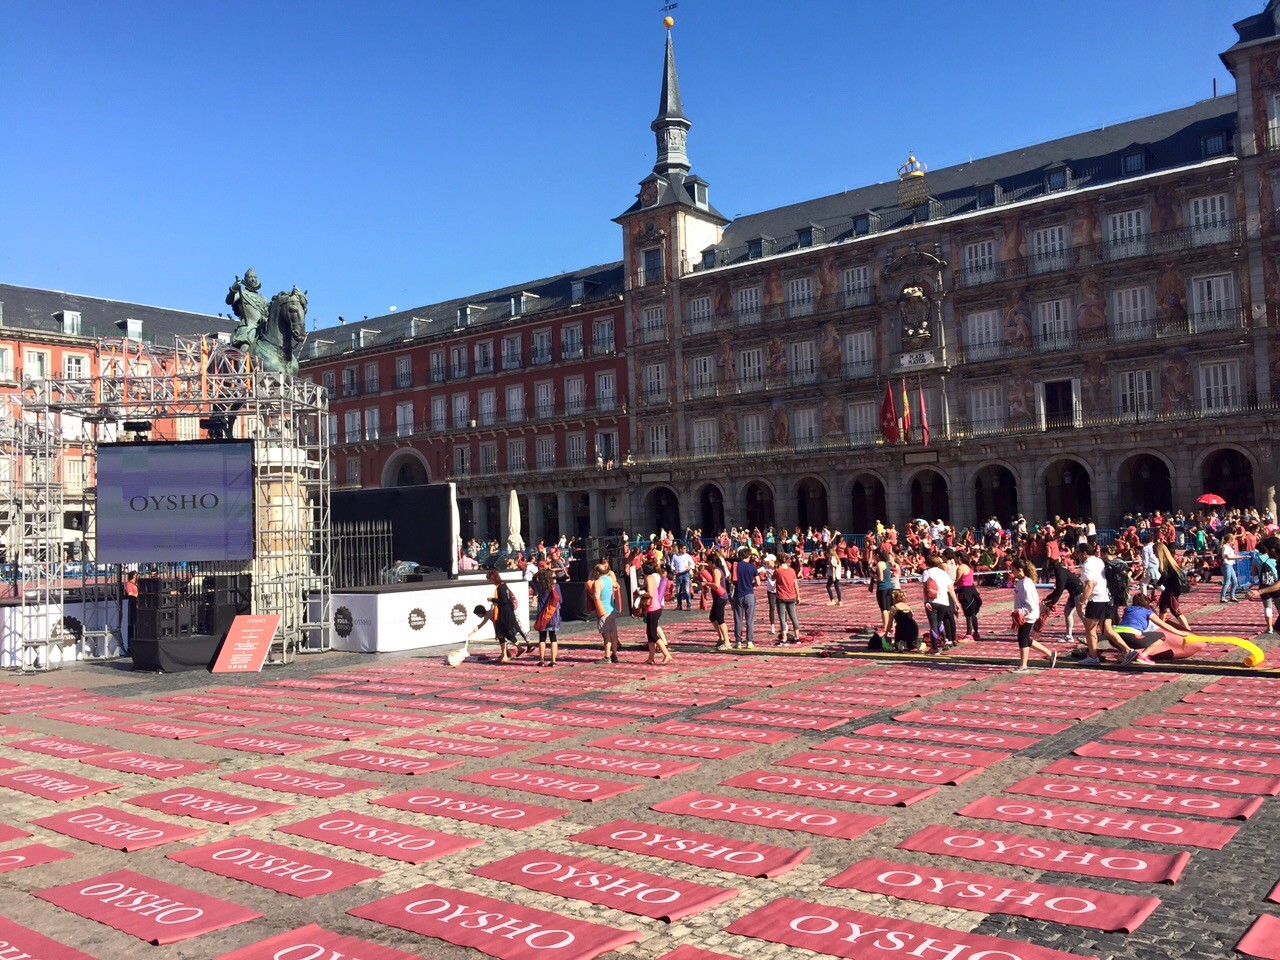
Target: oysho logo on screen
{"type": "Point", "coordinates": [175, 501]}
{"type": "Point", "coordinates": [417, 619]}
{"type": "Point", "coordinates": [343, 622]}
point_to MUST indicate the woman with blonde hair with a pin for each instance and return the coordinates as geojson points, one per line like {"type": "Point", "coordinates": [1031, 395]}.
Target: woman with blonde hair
{"type": "Point", "coordinates": [1172, 585]}
{"type": "Point", "coordinates": [1026, 611]}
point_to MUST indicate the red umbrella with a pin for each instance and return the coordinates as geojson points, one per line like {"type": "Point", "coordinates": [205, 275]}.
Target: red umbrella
{"type": "Point", "coordinates": [1211, 500]}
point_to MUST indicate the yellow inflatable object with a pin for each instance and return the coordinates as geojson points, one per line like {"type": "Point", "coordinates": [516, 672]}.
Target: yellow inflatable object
{"type": "Point", "coordinates": [1253, 655]}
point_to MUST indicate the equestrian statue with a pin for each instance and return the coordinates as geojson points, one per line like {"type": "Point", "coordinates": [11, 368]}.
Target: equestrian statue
{"type": "Point", "coordinates": [271, 333]}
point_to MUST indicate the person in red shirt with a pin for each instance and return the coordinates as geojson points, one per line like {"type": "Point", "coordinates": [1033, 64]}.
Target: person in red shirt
{"type": "Point", "coordinates": [787, 594]}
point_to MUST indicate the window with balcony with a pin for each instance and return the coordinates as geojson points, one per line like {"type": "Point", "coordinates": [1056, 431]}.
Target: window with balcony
{"type": "Point", "coordinates": [702, 376]}
{"type": "Point", "coordinates": [489, 457]}
{"type": "Point", "coordinates": [986, 410]}
{"type": "Point", "coordinates": [575, 395]}
{"type": "Point", "coordinates": [515, 403]}
{"type": "Point", "coordinates": [855, 285]}
{"type": "Point", "coordinates": [544, 399]}
{"type": "Point", "coordinates": [602, 341]}
{"type": "Point", "coordinates": [1135, 390]}
{"type": "Point", "coordinates": [516, 450]}
{"type": "Point", "coordinates": [746, 305]}
{"type": "Point", "coordinates": [1126, 234]}
{"type": "Point", "coordinates": [332, 422]}
{"type": "Point", "coordinates": [75, 366]}
{"type": "Point", "coordinates": [651, 267]}
{"type": "Point", "coordinates": [351, 426]}
{"type": "Point", "coordinates": [653, 324]}
{"type": "Point", "coordinates": [462, 461]}
{"type": "Point", "coordinates": [371, 379]}
{"type": "Point", "coordinates": [802, 365]}
{"type": "Point", "coordinates": [1213, 302]}
{"type": "Point", "coordinates": [487, 402]}
{"type": "Point", "coordinates": [862, 423]}
{"type": "Point", "coordinates": [404, 418]}
{"type": "Point", "coordinates": [1209, 219]}
{"type": "Point", "coordinates": [751, 369]}
{"type": "Point", "coordinates": [576, 449]}
{"type": "Point", "coordinates": [437, 366]}
{"type": "Point", "coordinates": [657, 440]}
{"type": "Point", "coordinates": [804, 429]}
{"type": "Point", "coordinates": [607, 449]}
{"type": "Point", "coordinates": [860, 353]}
{"type": "Point", "coordinates": [753, 432]}
{"type": "Point", "coordinates": [484, 356]}
{"type": "Point", "coordinates": [571, 341]}
{"type": "Point", "coordinates": [439, 413]}
{"type": "Point", "coordinates": [655, 383]}
{"type": "Point", "coordinates": [404, 371]}
{"type": "Point", "coordinates": [353, 471]}
{"type": "Point", "coordinates": [606, 391]}
{"type": "Point", "coordinates": [461, 411]}
{"type": "Point", "coordinates": [457, 362]}
{"type": "Point", "coordinates": [979, 262]}
{"type": "Point", "coordinates": [1219, 386]}
{"type": "Point", "coordinates": [546, 453]}
{"type": "Point", "coordinates": [350, 381]}
{"type": "Point", "coordinates": [1054, 327]}
{"type": "Point", "coordinates": [706, 437]}
{"type": "Point", "coordinates": [799, 296]}
{"type": "Point", "coordinates": [326, 379]}
{"type": "Point", "coordinates": [982, 333]}
{"type": "Point", "coordinates": [372, 423]}
{"type": "Point", "coordinates": [1058, 405]}
{"type": "Point", "coordinates": [1131, 317]}
{"type": "Point", "coordinates": [698, 314]}
{"type": "Point", "coordinates": [1048, 249]}
{"type": "Point", "coordinates": [511, 352]}
{"type": "Point", "coordinates": [541, 346]}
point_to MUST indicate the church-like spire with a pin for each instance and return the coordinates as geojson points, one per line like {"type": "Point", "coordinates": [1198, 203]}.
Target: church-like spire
{"type": "Point", "coordinates": [671, 125]}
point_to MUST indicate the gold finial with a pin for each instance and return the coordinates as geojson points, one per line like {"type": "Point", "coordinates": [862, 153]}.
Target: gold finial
{"type": "Point", "coordinates": [668, 22]}
{"type": "Point", "coordinates": [912, 168]}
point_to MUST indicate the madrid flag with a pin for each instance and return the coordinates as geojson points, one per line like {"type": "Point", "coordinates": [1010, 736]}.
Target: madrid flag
{"type": "Point", "coordinates": [888, 416]}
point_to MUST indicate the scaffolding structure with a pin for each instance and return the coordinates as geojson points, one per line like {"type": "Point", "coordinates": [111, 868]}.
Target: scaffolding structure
{"type": "Point", "coordinates": [196, 387]}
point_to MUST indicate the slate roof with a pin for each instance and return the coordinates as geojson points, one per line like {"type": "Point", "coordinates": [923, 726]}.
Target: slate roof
{"type": "Point", "coordinates": [27, 308]}
{"type": "Point", "coordinates": [603, 282]}
{"type": "Point", "coordinates": [1170, 139]}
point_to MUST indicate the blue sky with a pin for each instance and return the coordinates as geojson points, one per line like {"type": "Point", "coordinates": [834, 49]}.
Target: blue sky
{"type": "Point", "coordinates": [410, 152]}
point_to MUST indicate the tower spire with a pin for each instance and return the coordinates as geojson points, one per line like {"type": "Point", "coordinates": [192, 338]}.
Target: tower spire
{"type": "Point", "coordinates": [671, 125]}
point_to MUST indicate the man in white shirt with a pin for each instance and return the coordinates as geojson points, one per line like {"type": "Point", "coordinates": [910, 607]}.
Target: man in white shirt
{"type": "Point", "coordinates": [681, 564]}
{"type": "Point", "coordinates": [1150, 567]}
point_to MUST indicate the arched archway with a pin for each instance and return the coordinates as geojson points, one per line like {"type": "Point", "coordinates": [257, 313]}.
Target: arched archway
{"type": "Point", "coordinates": [662, 510]}
{"type": "Point", "coordinates": [406, 468]}
{"type": "Point", "coordinates": [1229, 474]}
{"type": "Point", "coordinates": [1068, 490]}
{"type": "Point", "coordinates": [868, 503]}
{"type": "Point", "coordinates": [1145, 485]}
{"type": "Point", "coordinates": [711, 510]}
{"type": "Point", "coordinates": [930, 498]}
{"type": "Point", "coordinates": [811, 503]}
{"type": "Point", "coordinates": [995, 494]}
{"type": "Point", "coordinates": [758, 504]}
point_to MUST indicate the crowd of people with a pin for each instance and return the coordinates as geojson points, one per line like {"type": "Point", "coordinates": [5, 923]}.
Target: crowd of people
{"type": "Point", "coordinates": [1089, 573]}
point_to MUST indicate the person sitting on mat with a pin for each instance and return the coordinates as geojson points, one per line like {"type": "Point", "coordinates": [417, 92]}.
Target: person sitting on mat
{"type": "Point", "coordinates": [1153, 638]}
{"type": "Point", "coordinates": [1026, 611]}
{"type": "Point", "coordinates": [906, 632]}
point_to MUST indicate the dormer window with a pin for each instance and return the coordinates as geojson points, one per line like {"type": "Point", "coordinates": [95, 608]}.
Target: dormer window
{"type": "Point", "coordinates": [1214, 144]}
{"type": "Point", "coordinates": [708, 258]}
{"type": "Point", "coordinates": [865, 223]}
{"type": "Point", "coordinates": [577, 291]}
{"type": "Point", "coordinates": [1134, 162]}
{"type": "Point", "coordinates": [699, 193]}
{"type": "Point", "coordinates": [988, 195]}
{"type": "Point", "coordinates": [921, 212]}
{"type": "Point", "coordinates": [68, 321]}
{"type": "Point", "coordinates": [1056, 179]}
{"type": "Point", "coordinates": [809, 235]}
{"type": "Point", "coordinates": [522, 302]}
{"type": "Point", "coordinates": [759, 247]}
{"type": "Point", "coordinates": [133, 328]}
{"type": "Point", "coordinates": [466, 314]}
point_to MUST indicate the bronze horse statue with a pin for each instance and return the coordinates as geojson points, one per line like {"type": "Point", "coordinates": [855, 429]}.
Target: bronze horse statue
{"type": "Point", "coordinates": [276, 345]}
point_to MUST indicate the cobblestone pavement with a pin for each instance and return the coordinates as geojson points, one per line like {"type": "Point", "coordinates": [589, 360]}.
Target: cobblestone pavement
{"type": "Point", "coordinates": [1200, 917]}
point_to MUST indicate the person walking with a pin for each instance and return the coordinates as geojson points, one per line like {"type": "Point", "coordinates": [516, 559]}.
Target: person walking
{"type": "Point", "coordinates": [607, 599]}
{"type": "Point", "coordinates": [654, 597]}
{"type": "Point", "coordinates": [940, 604]}
{"type": "Point", "coordinates": [1098, 606]}
{"type": "Point", "coordinates": [787, 589]}
{"type": "Point", "coordinates": [834, 574]}
{"type": "Point", "coordinates": [1173, 584]}
{"type": "Point", "coordinates": [1227, 556]}
{"type": "Point", "coordinates": [970, 598]}
{"type": "Point", "coordinates": [746, 573]}
{"type": "Point", "coordinates": [768, 573]}
{"type": "Point", "coordinates": [548, 620]}
{"type": "Point", "coordinates": [1026, 611]}
{"type": "Point", "coordinates": [713, 583]}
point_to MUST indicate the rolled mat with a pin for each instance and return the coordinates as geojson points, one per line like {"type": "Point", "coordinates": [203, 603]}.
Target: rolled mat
{"type": "Point", "coordinates": [985, 893]}
{"type": "Point", "coordinates": [508, 931]}
{"type": "Point", "coordinates": [1077, 819]}
{"type": "Point", "coordinates": [778, 815]}
{"type": "Point", "coordinates": [315, 941]}
{"type": "Point", "coordinates": [700, 849]}
{"type": "Point", "coordinates": [1035, 853]}
{"type": "Point", "coordinates": [867, 936]}
{"type": "Point", "coordinates": [631, 891]}
{"type": "Point", "coordinates": [127, 901]}
{"type": "Point", "coordinates": [1262, 939]}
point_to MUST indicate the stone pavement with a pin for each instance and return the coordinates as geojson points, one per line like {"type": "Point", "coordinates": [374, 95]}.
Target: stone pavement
{"type": "Point", "coordinates": [1201, 916]}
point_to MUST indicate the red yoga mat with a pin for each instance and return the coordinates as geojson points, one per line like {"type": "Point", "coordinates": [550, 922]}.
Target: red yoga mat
{"type": "Point", "coordinates": [563, 786]}
{"type": "Point", "coordinates": [225, 718]}
{"type": "Point", "coordinates": [1210, 724]}
{"type": "Point", "coordinates": [146, 708]}
{"type": "Point", "coordinates": [1016, 710]}
{"type": "Point", "coordinates": [62, 747]}
{"type": "Point", "coordinates": [387, 838]}
{"type": "Point", "coordinates": [117, 829]}
{"type": "Point", "coordinates": [361, 759]}
{"type": "Point", "coordinates": [508, 931]}
{"type": "Point", "coordinates": [781, 720]}
{"type": "Point", "coordinates": [54, 784]}
{"type": "Point", "coordinates": [470, 808]}
{"type": "Point", "coordinates": [719, 731]}
{"type": "Point", "coordinates": [871, 767]}
{"type": "Point", "coordinates": [1274, 895]}
{"type": "Point", "coordinates": [985, 893]}
{"type": "Point", "coordinates": [638, 710]}
{"type": "Point", "coordinates": [694, 953]}
{"type": "Point", "coordinates": [590, 721]}
{"type": "Point", "coordinates": [880, 794]}
{"type": "Point", "coordinates": [262, 743]}
{"type": "Point", "coordinates": [1140, 798]}
{"type": "Point", "coordinates": [432, 743]}
{"type": "Point", "coordinates": [700, 849]}
{"type": "Point", "coordinates": [210, 805]}
{"type": "Point", "coordinates": [640, 743]}
{"type": "Point", "coordinates": [824, 695]}
{"type": "Point", "coordinates": [1262, 939]}
{"type": "Point", "coordinates": [777, 814]}
{"type": "Point", "coordinates": [304, 782]}
{"type": "Point", "coordinates": [492, 696]}
{"type": "Point", "coordinates": [936, 717]}
{"type": "Point", "coordinates": [168, 728]}
{"type": "Point", "coordinates": [506, 731]}
{"type": "Point", "coordinates": [1237, 713]}
{"type": "Point", "coordinates": [801, 708]}
{"type": "Point", "coordinates": [149, 765]}
{"type": "Point", "coordinates": [960, 735]}
{"type": "Point", "coordinates": [1036, 853]}
{"type": "Point", "coordinates": [1164, 776]}
{"type": "Point", "coordinates": [313, 942]}
{"type": "Point", "coordinates": [1134, 826]}
{"type": "Point", "coordinates": [32, 855]}
{"type": "Point", "coordinates": [1190, 758]}
{"type": "Point", "coordinates": [23, 942]}
{"type": "Point", "coordinates": [390, 718]}
{"type": "Point", "coordinates": [445, 706]}
{"type": "Point", "coordinates": [914, 751]}
{"type": "Point", "coordinates": [148, 909]}
{"type": "Point", "coordinates": [1200, 741]}
{"type": "Point", "coordinates": [8, 833]}
{"type": "Point", "coordinates": [299, 873]}
{"type": "Point", "coordinates": [613, 763]}
{"type": "Point", "coordinates": [866, 936]}
{"type": "Point", "coordinates": [84, 716]}
{"type": "Point", "coordinates": [325, 730]}
{"type": "Point", "coordinates": [1031, 699]}
{"type": "Point", "coordinates": [609, 885]}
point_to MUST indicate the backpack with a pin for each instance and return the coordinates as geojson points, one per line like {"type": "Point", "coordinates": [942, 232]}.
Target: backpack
{"type": "Point", "coordinates": [1116, 573]}
{"type": "Point", "coordinates": [1266, 572]}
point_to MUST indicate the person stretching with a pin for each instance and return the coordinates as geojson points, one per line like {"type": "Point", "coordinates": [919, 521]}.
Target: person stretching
{"type": "Point", "coordinates": [1026, 611]}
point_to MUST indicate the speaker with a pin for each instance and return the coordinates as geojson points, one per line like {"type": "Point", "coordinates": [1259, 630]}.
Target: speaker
{"type": "Point", "coordinates": [575, 604]}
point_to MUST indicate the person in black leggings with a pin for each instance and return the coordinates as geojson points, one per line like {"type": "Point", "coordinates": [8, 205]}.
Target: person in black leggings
{"type": "Point", "coordinates": [1065, 580]}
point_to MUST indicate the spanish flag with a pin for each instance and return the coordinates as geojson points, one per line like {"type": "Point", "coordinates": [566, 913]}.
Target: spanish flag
{"type": "Point", "coordinates": [906, 413]}
{"type": "Point", "coordinates": [924, 416]}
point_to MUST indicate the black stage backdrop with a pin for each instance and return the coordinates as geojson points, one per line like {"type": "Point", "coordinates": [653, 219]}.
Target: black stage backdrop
{"type": "Point", "coordinates": [421, 519]}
